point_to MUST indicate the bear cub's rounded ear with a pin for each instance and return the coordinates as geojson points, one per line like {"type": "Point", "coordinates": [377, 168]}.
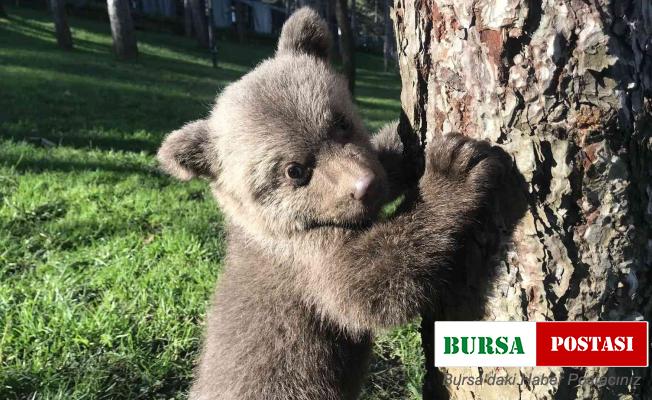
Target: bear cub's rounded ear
{"type": "Point", "coordinates": [305, 32]}
{"type": "Point", "coordinates": [185, 153]}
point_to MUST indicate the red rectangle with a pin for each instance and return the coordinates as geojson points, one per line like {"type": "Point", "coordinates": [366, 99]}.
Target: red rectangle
{"type": "Point", "coordinates": [592, 344]}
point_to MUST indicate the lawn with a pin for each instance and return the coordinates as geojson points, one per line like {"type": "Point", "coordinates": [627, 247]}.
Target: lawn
{"type": "Point", "coordinates": [106, 265]}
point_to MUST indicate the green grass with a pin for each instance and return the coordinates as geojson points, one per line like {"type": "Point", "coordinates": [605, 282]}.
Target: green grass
{"type": "Point", "coordinates": [106, 266]}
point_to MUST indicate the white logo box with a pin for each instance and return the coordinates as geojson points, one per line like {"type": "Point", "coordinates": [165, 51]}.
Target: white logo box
{"type": "Point", "coordinates": [527, 331]}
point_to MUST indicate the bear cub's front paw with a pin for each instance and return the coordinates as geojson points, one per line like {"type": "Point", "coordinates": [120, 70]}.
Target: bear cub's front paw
{"type": "Point", "coordinates": [459, 165]}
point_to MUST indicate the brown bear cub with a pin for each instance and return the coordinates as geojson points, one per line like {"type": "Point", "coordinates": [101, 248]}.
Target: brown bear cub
{"type": "Point", "coordinates": [311, 273]}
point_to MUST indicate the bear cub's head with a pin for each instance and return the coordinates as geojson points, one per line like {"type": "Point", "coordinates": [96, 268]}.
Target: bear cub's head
{"type": "Point", "coordinates": [283, 147]}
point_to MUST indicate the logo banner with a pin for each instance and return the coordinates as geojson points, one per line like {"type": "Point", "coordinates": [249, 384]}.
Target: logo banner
{"type": "Point", "coordinates": [531, 344]}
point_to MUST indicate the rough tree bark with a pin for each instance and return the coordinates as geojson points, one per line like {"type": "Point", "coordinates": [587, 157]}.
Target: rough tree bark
{"type": "Point", "coordinates": [565, 88]}
{"type": "Point", "coordinates": [347, 48]}
{"type": "Point", "coordinates": [122, 29]}
{"type": "Point", "coordinates": [61, 27]}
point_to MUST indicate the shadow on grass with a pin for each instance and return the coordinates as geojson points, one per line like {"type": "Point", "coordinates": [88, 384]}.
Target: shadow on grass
{"type": "Point", "coordinates": [72, 166]}
{"type": "Point", "coordinates": [123, 380]}
{"type": "Point", "coordinates": [95, 140]}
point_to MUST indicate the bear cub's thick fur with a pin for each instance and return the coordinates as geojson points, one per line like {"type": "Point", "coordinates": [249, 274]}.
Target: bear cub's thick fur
{"type": "Point", "coordinates": [311, 273]}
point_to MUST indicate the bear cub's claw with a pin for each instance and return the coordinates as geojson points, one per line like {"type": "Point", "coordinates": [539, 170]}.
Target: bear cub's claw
{"type": "Point", "coordinates": [456, 161]}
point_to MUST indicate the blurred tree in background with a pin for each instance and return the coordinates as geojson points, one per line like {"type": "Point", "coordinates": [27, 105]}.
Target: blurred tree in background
{"type": "Point", "coordinates": [346, 40]}
{"type": "Point", "coordinates": [122, 29]}
{"type": "Point", "coordinates": [61, 28]}
{"type": "Point", "coordinates": [187, 18]}
{"type": "Point", "coordinates": [197, 16]}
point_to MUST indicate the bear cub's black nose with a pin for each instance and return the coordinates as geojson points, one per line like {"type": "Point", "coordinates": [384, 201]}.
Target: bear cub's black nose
{"type": "Point", "coordinates": [362, 185]}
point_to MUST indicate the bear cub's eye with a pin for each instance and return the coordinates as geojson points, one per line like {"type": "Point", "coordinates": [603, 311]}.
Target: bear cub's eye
{"type": "Point", "coordinates": [297, 173]}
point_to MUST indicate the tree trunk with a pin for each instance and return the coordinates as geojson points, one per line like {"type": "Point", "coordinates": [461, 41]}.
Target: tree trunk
{"type": "Point", "coordinates": [331, 19]}
{"type": "Point", "coordinates": [565, 88]}
{"type": "Point", "coordinates": [240, 21]}
{"type": "Point", "coordinates": [352, 12]}
{"type": "Point", "coordinates": [199, 22]}
{"type": "Point", "coordinates": [61, 28]}
{"type": "Point", "coordinates": [347, 50]}
{"type": "Point", "coordinates": [320, 6]}
{"type": "Point", "coordinates": [122, 29]}
{"type": "Point", "coordinates": [385, 3]}
{"type": "Point", "coordinates": [387, 37]}
{"type": "Point", "coordinates": [3, 13]}
{"type": "Point", "coordinates": [187, 18]}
